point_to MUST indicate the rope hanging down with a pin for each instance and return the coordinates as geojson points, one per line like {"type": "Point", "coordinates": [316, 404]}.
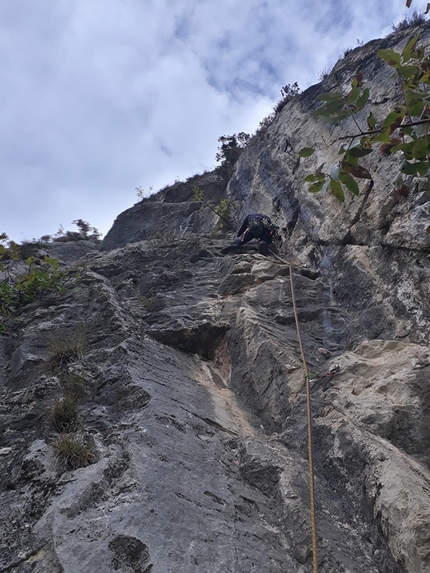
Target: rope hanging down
{"type": "Point", "coordinates": [310, 446]}
{"type": "Point", "coordinates": [307, 377]}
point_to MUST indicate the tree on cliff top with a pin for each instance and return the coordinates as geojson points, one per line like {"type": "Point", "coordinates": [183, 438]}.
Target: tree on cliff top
{"type": "Point", "coordinates": [230, 150]}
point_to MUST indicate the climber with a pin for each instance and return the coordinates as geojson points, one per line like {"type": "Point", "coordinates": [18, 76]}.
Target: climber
{"type": "Point", "coordinates": [255, 226]}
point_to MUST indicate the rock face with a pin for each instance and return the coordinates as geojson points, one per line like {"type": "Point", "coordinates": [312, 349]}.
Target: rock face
{"type": "Point", "coordinates": [192, 411]}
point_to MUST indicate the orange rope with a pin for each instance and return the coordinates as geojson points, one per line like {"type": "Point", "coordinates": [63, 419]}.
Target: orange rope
{"type": "Point", "coordinates": [309, 414]}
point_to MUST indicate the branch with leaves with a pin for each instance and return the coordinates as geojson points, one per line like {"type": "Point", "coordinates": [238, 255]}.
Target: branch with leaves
{"type": "Point", "coordinates": [34, 279]}
{"type": "Point", "coordinates": [405, 128]}
{"type": "Point", "coordinates": [225, 208]}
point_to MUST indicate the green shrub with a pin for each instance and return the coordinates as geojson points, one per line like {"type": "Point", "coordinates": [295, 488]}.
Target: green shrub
{"type": "Point", "coordinates": [226, 211]}
{"type": "Point", "coordinates": [268, 120]}
{"type": "Point", "coordinates": [30, 248]}
{"type": "Point", "coordinates": [23, 283]}
{"type": "Point", "coordinates": [86, 232]}
{"type": "Point", "coordinates": [323, 75]}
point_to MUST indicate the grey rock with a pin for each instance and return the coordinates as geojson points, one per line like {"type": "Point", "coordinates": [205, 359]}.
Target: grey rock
{"type": "Point", "coordinates": [171, 212]}
{"type": "Point", "coordinates": [71, 251]}
{"type": "Point", "coordinates": [195, 412]}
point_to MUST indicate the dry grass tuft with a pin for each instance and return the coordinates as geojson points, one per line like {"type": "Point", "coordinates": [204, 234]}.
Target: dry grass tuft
{"type": "Point", "coordinates": [72, 451]}
{"type": "Point", "coordinates": [64, 415]}
{"type": "Point", "coordinates": [67, 347]}
{"type": "Point", "coordinates": [75, 385]}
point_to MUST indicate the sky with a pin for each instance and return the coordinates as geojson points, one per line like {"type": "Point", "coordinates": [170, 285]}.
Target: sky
{"type": "Point", "coordinates": [99, 97]}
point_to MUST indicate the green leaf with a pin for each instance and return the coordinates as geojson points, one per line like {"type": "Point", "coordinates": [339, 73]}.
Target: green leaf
{"type": "Point", "coordinates": [417, 109]}
{"type": "Point", "coordinates": [330, 96]}
{"type": "Point", "coordinates": [409, 168]}
{"type": "Point", "coordinates": [334, 118]}
{"type": "Point", "coordinates": [408, 71]}
{"type": "Point", "coordinates": [337, 190]}
{"type": "Point", "coordinates": [348, 160]}
{"type": "Point", "coordinates": [312, 177]}
{"type": "Point", "coordinates": [405, 147]}
{"type": "Point", "coordinates": [353, 95]}
{"type": "Point", "coordinates": [420, 149]}
{"type": "Point", "coordinates": [350, 183]}
{"type": "Point", "coordinates": [414, 96]}
{"type": "Point", "coordinates": [363, 99]}
{"type": "Point", "coordinates": [383, 137]}
{"type": "Point", "coordinates": [424, 79]}
{"type": "Point", "coordinates": [393, 120]}
{"type": "Point", "coordinates": [392, 58]}
{"type": "Point", "coordinates": [359, 152]}
{"type": "Point", "coordinates": [410, 48]}
{"type": "Point", "coordinates": [371, 121]}
{"type": "Point", "coordinates": [306, 152]}
{"type": "Point", "coordinates": [329, 108]}
{"type": "Point", "coordinates": [422, 168]}
{"type": "Point", "coordinates": [417, 149]}
{"type": "Point", "coordinates": [317, 186]}
{"type": "Point", "coordinates": [357, 80]}
{"type": "Point", "coordinates": [357, 171]}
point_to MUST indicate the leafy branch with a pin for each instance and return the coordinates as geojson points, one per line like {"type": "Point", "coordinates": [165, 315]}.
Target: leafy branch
{"type": "Point", "coordinates": [34, 278]}
{"type": "Point", "coordinates": [405, 128]}
{"type": "Point", "coordinates": [225, 208]}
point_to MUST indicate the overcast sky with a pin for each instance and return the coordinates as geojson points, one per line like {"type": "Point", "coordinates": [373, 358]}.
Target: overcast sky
{"type": "Point", "coordinates": [98, 97]}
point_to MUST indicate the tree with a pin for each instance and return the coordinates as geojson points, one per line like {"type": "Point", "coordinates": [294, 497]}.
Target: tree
{"type": "Point", "coordinates": [230, 150]}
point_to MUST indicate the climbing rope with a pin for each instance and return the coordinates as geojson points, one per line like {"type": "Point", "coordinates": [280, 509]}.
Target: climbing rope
{"type": "Point", "coordinates": [310, 440]}
{"type": "Point", "coordinates": [308, 379]}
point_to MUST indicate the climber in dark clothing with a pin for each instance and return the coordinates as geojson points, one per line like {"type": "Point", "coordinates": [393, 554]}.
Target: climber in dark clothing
{"type": "Point", "coordinates": [255, 226]}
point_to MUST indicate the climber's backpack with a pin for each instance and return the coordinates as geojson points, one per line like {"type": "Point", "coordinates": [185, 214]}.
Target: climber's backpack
{"type": "Point", "coordinates": [258, 224]}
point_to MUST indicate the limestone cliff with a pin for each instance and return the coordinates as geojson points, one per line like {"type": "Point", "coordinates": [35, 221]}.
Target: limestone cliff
{"type": "Point", "coordinates": [194, 412]}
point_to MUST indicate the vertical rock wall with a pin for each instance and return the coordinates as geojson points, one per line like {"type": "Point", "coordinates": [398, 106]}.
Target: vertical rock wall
{"type": "Point", "coordinates": [194, 413]}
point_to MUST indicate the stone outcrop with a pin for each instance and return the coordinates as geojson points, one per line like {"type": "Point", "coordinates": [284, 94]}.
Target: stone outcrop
{"type": "Point", "coordinates": [194, 410]}
{"type": "Point", "coordinates": [171, 212]}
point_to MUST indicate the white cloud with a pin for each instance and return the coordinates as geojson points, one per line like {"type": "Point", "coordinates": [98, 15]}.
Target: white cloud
{"type": "Point", "coordinates": [99, 97]}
